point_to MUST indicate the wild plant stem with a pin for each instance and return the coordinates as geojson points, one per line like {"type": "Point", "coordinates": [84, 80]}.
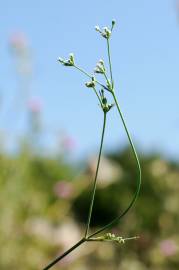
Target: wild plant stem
{"type": "Point", "coordinates": [97, 96]}
{"type": "Point", "coordinates": [65, 254]}
{"type": "Point", "coordinates": [110, 64]}
{"type": "Point", "coordinates": [91, 204]}
{"type": "Point", "coordinates": [116, 220]}
{"type": "Point", "coordinates": [95, 179]}
{"type": "Point", "coordinates": [90, 76]}
{"type": "Point", "coordinates": [83, 71]}
{"type": "Point", "coordinates": [101, 239]}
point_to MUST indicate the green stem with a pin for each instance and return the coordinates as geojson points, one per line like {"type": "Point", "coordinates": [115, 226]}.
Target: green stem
{"type": "Point", "coordinates": [95, 179]}
{"type": "Point", "coordinates": [89, 76]}
{"type": "Point", "coordinates": [65, 254]}
{"type": "Point", "coordinates": [110, 64]}
{"type": "Point", "coordinates": [101, 239]}
{"type": "Point", "coordinates": [116, 220]}
{"type": "Point", "coordinates": [83, 71]}
{"type": "Point", "coordinates": [97, 96]}
{"type": "Point", "coordinates": [92, 200]}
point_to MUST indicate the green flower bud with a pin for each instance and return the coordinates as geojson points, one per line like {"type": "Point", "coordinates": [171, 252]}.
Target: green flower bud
{"type": "Point", "coordinates": [91, 84]}
{"type": "Point", "coordinates": [71, 59]}
{"type": "Point", "coordinates": [113, 23]}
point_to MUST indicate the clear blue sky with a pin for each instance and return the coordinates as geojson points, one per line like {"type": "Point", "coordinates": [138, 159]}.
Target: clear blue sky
{"type": "Point", "coordinates": [145, 55]}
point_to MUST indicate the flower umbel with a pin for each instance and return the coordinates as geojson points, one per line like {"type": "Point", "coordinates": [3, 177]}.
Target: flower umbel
{"type": "Point", "coordinates": [106, 107]}
{"type": "Point", "coordinates": [105, 32]}
{"type": "Point", "coordinates": [111, 237]}
{"type": "Point", "coordinates": [69, 62]}
{"type": "Point", "coordinates": [100, 68]}
{"type": "Point", "coordinates": [92, 83]}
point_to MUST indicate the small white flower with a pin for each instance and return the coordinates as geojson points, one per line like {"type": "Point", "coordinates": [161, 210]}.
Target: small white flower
{"type": "Point", "coordinates": [101, 62]}
{"type": "Point", "coordinates": [61, 60]}
{"type": "Point", "coordinates": [97, 28]}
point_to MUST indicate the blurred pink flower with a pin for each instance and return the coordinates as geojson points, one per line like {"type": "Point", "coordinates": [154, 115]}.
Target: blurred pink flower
{"type": "Point", "coordinates": [18, 41]}
{"type": "Point", "coordinates": [168, 247]}
{"type": "Point", "coordinates": [63, 189]}
{"type": "Point", "coordinates": [35, 105]}
{"type": "Point", "coordinates": [68, 143]}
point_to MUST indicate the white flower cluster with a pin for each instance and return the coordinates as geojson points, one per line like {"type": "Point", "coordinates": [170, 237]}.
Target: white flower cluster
{"type": "Point", "coordinates": [105, 32]}
{"type": "Point", "coordinates": [100, 68]}
{"type": "Point", "coordinates": [69, 62]}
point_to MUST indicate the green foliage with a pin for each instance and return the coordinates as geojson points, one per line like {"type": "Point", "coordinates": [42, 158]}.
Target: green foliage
{"type": "Point", "coordinates": [31, 213]}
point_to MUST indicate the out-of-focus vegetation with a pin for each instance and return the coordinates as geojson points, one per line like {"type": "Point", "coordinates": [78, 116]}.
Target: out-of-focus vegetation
{"type": "Point", "coordinates": [44, 210]}
{"type": "Point", "coordinates": [44, 199]}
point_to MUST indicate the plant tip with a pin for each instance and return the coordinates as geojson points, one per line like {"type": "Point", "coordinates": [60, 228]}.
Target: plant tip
{"type": "Point", "coordinates": [60, 60]}
{"type": "Point", "coordinates": [97, 28]}
{"type": "Point", "coordinates": [113, 22]}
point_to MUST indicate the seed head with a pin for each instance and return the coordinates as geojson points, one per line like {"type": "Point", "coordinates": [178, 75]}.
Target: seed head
{"type": "Point", "coordinates": [91, 84]}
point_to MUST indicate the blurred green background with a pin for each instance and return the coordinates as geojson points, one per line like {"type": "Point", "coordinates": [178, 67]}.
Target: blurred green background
{"type": "Point", "coordinates": [50, 128]}
{"type": "Point", "coordinates": [44, 210]}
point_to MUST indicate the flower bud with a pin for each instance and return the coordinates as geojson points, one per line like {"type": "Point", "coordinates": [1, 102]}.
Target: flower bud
{"type": "Point", "coordinates": [101, 62]}
{"type": "Point", "coordinates": [113, 23]}
{"type": "Point", "coordinates": [107, 33]}
{"type": "Point", "coordinates": [97, 28]}
{"type": "Point", "coordinates": [61, 60]}
{"type": "Point", "coordinates": [71, 58]}
{"type": "Point", "coordinates": [92, 83]}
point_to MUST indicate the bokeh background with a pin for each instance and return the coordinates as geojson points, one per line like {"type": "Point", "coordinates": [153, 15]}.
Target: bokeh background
{"type": "Point", "coordinates": [50, 130]}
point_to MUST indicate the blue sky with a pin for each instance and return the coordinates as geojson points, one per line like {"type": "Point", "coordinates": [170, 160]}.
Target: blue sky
{"type": "Point", "coordinates": [145, 56]}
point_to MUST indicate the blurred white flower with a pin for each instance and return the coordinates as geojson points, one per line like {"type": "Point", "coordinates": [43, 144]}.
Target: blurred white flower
{"type": "Point", "coordinates": [108, 173]}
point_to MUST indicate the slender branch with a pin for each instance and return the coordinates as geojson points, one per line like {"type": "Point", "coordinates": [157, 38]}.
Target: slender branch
{"type": "Point", "coordinates": [116, 220]}
{"type": "Point", "coordinates": [95, 179]}
{"type": "Point", "coordinates": [89, 76]}
{"type": "Point", "coordinates": [90, 209]}
{"type": "Point", "coordinates": [90, 237]}
{"type": "Point", "coordinates": [101, 239]}
{"type": "Point", "coordinates": [83, 71]}
{"type": "Point", "coordinates": [97, 96]}
{"type": "Point", "coordinates": [65, 254]}
{"type": "Point", "coordinates": [110, 64]}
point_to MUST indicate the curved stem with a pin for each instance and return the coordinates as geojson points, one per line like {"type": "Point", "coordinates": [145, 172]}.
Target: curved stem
{"type": "Point", "coordinates": [65, 254]}
{"type": "Point", "coordinates": [116, 220]}
{"type": "Point", "coordinates": [95, 179]}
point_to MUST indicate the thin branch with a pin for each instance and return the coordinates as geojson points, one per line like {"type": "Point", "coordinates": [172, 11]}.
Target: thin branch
{"type": "Point", "coordinates": [116, 220]}
{"type": "Point", "coordinates": [95, 179]}
{"type": "Point", "coordinates": [90, 76]}
{"type": "Point", "coordinates": [65, 254]}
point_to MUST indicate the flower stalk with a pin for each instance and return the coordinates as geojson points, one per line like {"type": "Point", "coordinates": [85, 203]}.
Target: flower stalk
{"type": "Point", "coordinates": [105, 107]}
